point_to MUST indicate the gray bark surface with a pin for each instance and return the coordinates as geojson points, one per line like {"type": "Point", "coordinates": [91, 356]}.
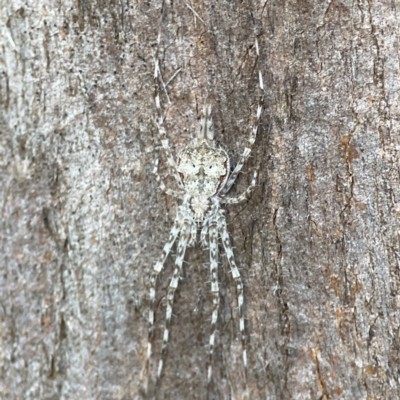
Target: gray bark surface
{"type": "Point", "coordinates": [83, 220]}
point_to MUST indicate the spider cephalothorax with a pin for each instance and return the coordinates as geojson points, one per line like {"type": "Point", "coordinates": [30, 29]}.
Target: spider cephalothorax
{"type": "Point", "coordinates": [203, 175]}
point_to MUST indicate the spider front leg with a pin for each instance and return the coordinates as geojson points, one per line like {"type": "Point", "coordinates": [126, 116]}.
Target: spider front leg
{"type": "Point", "coordinates": [182, 244]}
{"type": "Point", "coordinates": [239, 284]}
{"type": "Point", "coordinates": [168, 191]}
{"type": "Point", "coordinates": [243, 196]}
{"type": "Point", "coordinates": [253, 132]}
{"type": "Point", "coordinates": [160, 120]}
{"type": "Point", "coordinates": [213, 235]}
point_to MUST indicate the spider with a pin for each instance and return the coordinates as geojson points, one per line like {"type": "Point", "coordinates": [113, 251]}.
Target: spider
{"type": "Point", "coordinates": [203, 175]}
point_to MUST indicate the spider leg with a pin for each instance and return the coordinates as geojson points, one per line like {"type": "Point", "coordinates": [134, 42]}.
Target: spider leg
{"type": "Point", "coordinates": [253, 133]}
{"type": "Point", "coordinates": [193, 235]}
{"type": "Point", "coordinates": [182, 244]}
{"type": "Point", "coordinates": [239, 285]}
{"type": "Point", "coordinates": [206, 127]}
{"type": "Point", "coordinates": [176, 228]}
{"type": "Point", "coordinates": [160, 119]}
{"type": "Point", "coordinates": [243, 196]}
{"type": "Point", "coordinates": [213, 234]}
{"type": "Point", "coordinates": [203, 236]}
{"type": "Point", "coordinates": [170, 192]}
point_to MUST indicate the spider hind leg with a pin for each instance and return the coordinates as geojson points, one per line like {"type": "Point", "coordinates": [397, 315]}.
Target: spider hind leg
{"type": "Point", "coordinates": [239, 287]}
{"type": "Point", "coordinates": [182, 244]}
{"type": "Point", "coordinates": [213, 235]}
{"type": "Point", "coordinates": [158, 267]}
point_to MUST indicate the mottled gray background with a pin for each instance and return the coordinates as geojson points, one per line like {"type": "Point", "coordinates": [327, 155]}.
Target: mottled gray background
{"type": "Point", "coordinates": [83, 220]}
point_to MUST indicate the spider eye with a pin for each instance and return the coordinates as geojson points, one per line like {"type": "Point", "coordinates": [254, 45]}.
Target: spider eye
{"type": "Point", "coordinates": [210, 166]}
{"type": "Point", "coordinates": [194, 166]}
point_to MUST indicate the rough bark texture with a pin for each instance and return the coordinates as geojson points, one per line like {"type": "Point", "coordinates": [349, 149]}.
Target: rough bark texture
{"type": "Point", "coordinates": [83, 221]}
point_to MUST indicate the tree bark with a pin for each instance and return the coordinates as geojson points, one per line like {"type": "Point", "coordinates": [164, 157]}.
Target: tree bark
{"type": "Point", "coordinates": [83, 220]}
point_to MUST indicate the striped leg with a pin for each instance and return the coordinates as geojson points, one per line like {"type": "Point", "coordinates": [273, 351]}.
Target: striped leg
{"type": "Point", "coordinates": [215, 293]}
{"type": "Point", "coordinates": [253, 133]}
{"type": "Point", "coordinates": [193, 235]}
{"type": "Point", "coordinates": [170, 192]}
{"type": "Point", "coordinates": [239, 285]}
{"type": "Point", "coordinates": [203, 236]}
{"type": "Point", "coordinates": [206, 127]}
{"type": "Point", "coordinates": [176, 228]}
{"type": "Point", "coordinates": [182, 244]}
{"type": "Point", "coordinates": [160, 119]}
{"type": "Point", "coordinates": [243, 196]}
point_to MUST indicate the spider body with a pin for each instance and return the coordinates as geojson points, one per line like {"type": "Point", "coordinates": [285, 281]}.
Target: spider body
{"type": "Point", "coordinates": [203, 170]}
{"type": "Point", "coordinates": [203, 175]}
